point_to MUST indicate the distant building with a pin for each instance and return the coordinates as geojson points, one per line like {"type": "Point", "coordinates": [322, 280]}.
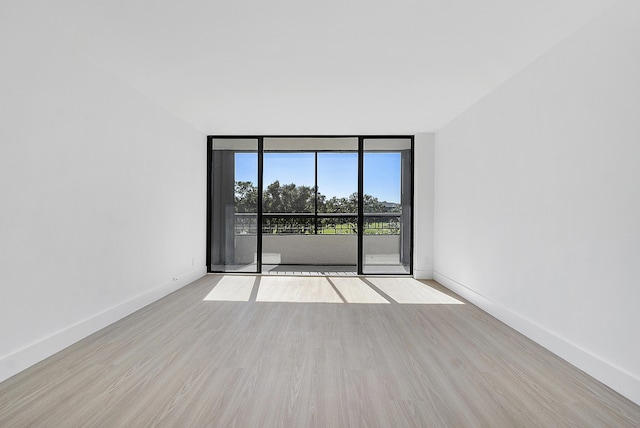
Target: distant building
{"type": "Point", "coordinates": [390, 206]}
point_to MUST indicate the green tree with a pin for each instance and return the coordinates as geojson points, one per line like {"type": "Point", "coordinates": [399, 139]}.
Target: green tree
{"type": "Point", "coordinates": [341, 205]}
{"type": "Point", "coordinates": [246, 197]}
{"type": "Point", "coordinates": [290, 198]}
{"type": "Point", "coordinates": [350, 204]}
{"type": "Point", "coordinates": [371, 203]}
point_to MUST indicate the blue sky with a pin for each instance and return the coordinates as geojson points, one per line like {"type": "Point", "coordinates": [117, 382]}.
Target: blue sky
{"type": "Point", "coordinates": [337, 172]}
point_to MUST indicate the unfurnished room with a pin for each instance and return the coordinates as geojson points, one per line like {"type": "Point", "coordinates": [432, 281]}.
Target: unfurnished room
{"type": "Point", "coordinates": [417, 213]}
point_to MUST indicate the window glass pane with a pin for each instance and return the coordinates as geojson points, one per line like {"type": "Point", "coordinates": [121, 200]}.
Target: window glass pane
{"type": "Point", "coordinates": [234, 213]}
{"type": "Point", "coordinates": [338, 182]}
{"type": "Point", "coordinates": [246, 182]}
{"type": "Point", "coordinates": [289, 180]}
{"type": "Point", "coordinates": [386, 244]}
{"type": "Point", "coordinates": [382, 188]}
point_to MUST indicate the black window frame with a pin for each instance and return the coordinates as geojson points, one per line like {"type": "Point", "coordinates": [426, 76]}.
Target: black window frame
{"type": "Point", "coordinates": [360, 215]}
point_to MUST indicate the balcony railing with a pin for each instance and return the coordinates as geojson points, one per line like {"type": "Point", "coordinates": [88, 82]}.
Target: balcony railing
{"type": "Point", "coordinates": [318, 224]}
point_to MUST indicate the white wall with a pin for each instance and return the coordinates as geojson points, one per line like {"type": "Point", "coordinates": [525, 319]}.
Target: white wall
{"type": "Point", "coordinates": [423, 222]}
{"type": "Point", "coordinates": [102, 194]}
{"type": "Point", "coordinates": [538, 200]}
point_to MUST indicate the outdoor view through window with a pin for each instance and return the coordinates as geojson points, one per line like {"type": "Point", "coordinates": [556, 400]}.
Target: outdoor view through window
{"type": "Point", "coordinates": [289, 188]}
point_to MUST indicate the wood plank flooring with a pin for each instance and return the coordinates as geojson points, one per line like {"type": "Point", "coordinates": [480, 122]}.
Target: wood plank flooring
{"type": "Point", "coordinates": [246, 356]}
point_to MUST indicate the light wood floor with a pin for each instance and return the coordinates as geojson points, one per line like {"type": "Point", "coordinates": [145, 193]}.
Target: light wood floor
{"type": "Point", "coordinates": [258, 353]}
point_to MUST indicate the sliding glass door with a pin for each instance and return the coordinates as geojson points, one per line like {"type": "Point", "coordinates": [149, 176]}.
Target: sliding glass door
{"type": "Point", "coordinates": [310, 201]}
{"type": "Point", "coordinates": [387, 205]}
{"type": "Point", "coordinates": [310, 204]}
{"type": "Point", "coordinates": [233, 205]}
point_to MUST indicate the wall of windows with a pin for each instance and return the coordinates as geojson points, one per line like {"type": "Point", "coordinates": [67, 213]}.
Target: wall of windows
{"type": "Point", "coordinates": [341, 201]}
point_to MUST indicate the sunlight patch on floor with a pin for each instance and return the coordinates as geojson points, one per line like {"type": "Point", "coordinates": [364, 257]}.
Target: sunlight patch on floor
{"type": "Point", "coordinates": [232, 289]}
{"type": "Point", "coordinates": [297, 289]}
{"type": "Point", "coordinates": [354, 290]}
{"type": "Point", "coordinates": [411, 291]}
{"type": "Point", "coordinates": [327, 289]}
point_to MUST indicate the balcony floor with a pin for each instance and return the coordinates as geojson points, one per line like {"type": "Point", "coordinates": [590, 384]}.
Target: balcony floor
{"type": "Point", "coordinates": [313, 270]}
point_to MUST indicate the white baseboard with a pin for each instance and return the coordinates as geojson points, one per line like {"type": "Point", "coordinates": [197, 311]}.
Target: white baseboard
{"type": "Point", "coordinates": [422, 274]}
{"type": "Point", "coordinates": [24, 358]}
{"type": "Point", "coordinates": [614, 377]}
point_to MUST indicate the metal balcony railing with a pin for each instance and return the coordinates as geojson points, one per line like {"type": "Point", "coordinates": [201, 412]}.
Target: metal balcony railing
{"type": "Point", "coordinates": [318, 224]}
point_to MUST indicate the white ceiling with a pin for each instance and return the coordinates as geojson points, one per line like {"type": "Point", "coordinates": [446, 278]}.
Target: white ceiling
{"type": "Point", "coordinates": [322, 66]}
